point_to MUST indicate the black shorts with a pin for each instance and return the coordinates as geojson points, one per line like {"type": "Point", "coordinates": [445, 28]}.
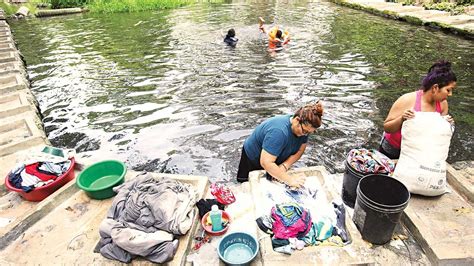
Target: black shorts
{"type": "Point", "coordinates": [387, 149]}
{"type": "Point", "coordinates": [245, 167]}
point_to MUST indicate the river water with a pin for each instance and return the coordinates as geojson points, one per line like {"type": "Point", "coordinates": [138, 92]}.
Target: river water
{"type": "Point", "coordinates": [160, 91]}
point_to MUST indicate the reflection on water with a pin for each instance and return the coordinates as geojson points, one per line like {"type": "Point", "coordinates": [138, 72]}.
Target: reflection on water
{"type": "Point", "coordinates": [166, 94]}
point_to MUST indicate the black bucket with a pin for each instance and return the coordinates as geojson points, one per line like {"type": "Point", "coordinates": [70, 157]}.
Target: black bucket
{"type": "Point", "coordinates": [349, 184]}
{"type": "Point", "coordinates": [380, 202]}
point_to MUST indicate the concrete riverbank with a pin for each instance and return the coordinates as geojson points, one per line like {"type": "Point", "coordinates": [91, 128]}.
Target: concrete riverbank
{"type": "Point", "coordinates": [63, 228]}
{"type": "Point", "coordinates": [462, 24]}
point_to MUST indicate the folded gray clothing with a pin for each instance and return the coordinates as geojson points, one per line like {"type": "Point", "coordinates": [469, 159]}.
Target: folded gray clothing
{"type": "Point", "coordinates": [155, 204]}
{"type": "Point", "coordinates": [144, 216]}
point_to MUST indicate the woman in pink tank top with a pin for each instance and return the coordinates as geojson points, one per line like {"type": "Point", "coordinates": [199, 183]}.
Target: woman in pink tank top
{"type": "Point", "coordinates": [436, 87]}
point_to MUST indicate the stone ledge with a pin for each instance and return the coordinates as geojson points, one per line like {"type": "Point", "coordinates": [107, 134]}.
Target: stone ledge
{"type": "Point", "coordinates": [458, 24]}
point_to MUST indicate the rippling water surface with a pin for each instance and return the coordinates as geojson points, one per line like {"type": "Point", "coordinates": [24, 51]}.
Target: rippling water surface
{"type": "Point", "coordinates": [160, 91]}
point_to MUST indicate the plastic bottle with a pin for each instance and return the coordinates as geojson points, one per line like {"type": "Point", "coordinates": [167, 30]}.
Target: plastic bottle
{"type": "Point", "coordinates": [216, 218]}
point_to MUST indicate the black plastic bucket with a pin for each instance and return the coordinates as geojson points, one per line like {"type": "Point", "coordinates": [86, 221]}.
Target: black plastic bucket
{"type": "Point", "coordinates": [380, 202]}
{"type": "Point", "coordinates": [350, 181]}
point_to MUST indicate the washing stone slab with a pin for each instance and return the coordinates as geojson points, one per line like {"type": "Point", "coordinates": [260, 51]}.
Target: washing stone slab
{"type": "Point", "coordinates": [20, 134]}
{"type": "Point", "coordinates": [242, 217]}
{"type": "Point", "coordinates": [14, 104]}
{"type": "Point", "coordinates": [443, 227]}
{"type": "Point", "coordinates": [358, 252]}
{"type": "Point", "coordinates": [12, 82]}
{"type": "Point", "coordinates": [69, 233]}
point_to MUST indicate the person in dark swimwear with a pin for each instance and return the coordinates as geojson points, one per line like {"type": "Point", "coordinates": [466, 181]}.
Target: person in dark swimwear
{"type": "Point", "coordinates": [230, 38]}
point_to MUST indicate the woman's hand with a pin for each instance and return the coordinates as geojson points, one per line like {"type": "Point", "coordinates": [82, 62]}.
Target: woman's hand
{"type": "Point", "coordinates": [408, 114]}
{"type": "Point", "coordinates": [449, 119]}
{"type": "Point", "coordinates": [296, 181]}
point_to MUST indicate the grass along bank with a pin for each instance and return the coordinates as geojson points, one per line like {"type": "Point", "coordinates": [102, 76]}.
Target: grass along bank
{"type": "Point", "coordinates": [113, 6]}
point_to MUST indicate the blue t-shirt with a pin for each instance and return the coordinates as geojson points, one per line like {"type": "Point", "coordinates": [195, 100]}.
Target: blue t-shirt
{"type": "Point", "coordinates": [274, 135]}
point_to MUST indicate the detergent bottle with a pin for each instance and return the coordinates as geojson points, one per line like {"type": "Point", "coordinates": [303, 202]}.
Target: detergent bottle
{"type": "Point", "coordinates": [216, 218]}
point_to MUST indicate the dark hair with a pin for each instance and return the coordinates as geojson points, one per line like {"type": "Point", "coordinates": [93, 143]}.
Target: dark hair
{"type": "Point", "coordinates": [439, 73]}
{"type": "Point", "coordinates": [311, 114]}
{"type": "Point", "coordinates": [231, 33]}
{"type": "Point", "coordinates": [278, 34]}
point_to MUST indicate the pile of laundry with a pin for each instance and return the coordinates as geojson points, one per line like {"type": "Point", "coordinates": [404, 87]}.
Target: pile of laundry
{"type": "Point", "coordinates": [145, 219]}
{"type": "Point", "coordinates": [30, 176]}
{"type": "Point", "coordinates": [292, 228]}
{"type": "Point", "coordinates": [370, 161]}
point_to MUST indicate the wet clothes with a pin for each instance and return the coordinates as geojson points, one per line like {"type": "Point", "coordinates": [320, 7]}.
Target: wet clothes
{"type": "Point", "coordinates": [144, 215]}
{"type": "Point", "coordinates": [274, 136]}
{"type": "Point", "coordinates": [28, 177]}
{"type": "Point", "coordinates": [370, 161]}
{"type": "Point", "coordinates": [290, 220]}
{"type": "Point", "coordinates": [231, 41]}
{"type": "Point", "coordinates": [391, 142]}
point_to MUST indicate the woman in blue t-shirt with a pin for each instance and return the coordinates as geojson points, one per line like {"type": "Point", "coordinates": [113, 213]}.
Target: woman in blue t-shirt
{"type": "Point", "coordinates": [277, 143]}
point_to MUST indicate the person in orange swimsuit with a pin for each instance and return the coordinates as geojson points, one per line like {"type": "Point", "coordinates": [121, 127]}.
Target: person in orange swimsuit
{"type": "Point", "coordinates": [277, 37]}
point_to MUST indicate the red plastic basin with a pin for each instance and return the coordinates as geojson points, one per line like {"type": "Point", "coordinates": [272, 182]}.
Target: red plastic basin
{"type": "Point", "coordinates": [40, 193]}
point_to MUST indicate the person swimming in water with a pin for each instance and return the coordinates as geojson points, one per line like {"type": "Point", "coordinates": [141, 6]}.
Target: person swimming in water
{"type": "Point", "coordinates": [230, 38]}
{"type": "Point", "coordinates": [277, 36]}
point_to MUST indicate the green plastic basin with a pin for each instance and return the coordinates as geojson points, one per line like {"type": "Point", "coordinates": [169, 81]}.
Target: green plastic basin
{"type": "Point", "coordinates": [99, 179]}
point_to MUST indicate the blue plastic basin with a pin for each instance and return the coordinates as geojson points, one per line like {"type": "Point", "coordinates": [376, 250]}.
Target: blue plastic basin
{"type": "Point", "coordinates": [238, 248]}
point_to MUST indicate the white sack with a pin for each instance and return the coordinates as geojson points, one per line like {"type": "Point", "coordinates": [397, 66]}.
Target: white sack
{"type": "Point", "coordinates": [424, 149]}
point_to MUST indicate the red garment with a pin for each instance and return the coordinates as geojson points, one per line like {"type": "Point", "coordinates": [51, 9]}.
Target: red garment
{"type": "Point", "coordinates": [222, 193]}
{"type": "Point", "coordinates": [32, 169]}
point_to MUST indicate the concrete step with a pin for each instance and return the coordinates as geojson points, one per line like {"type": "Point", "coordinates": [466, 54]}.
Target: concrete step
{"type": "Point", "coordinates": [12, 82]}
{"type": "Point", "coordinates": [12, 68]}
{"type": "Point", "coordinates": [9, 57]}
{"type": "Point", "coordinates": [20, 134]}
{"type": "Point", "coordinates": [4, 34]}
{"type": "Point", "coordinates": [8, 39]}
{"type": "Point", "coordinates": [14, 104]}
{"type": "Point", "coordinates": [7, 47]}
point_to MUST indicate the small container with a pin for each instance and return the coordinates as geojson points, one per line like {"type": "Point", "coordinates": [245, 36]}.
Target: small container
{"type": "Point", "coordinates": [216, 218]}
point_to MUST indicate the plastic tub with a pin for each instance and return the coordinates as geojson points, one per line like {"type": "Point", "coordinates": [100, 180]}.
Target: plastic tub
{"type": "Point", "coordinates": [40, 193]}
{"type": "Point", "coordinates": [380, 202]}
{"type": "Point", "coordinates": [99, 179]}
{"type": "Point", "coordinates": [208, 228]}
{"type": "Point", "coordinates": [238, 248]}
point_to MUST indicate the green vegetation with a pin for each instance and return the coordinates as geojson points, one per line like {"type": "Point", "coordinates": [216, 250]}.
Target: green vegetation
{"type": "Point", "coordinates": [453, 8]}
{"type": "Point", "coordinates": [9, 9]}
{"type": "Point", "coordinates": [12, 9]}
{"type": "Point", "coordinates": [112, 6]}
{"type": "Point", "coordinates": [67, 3]}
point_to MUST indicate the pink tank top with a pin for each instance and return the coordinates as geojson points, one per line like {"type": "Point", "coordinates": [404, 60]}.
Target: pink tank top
{"type": "Point", "coordinates": [395, 138]}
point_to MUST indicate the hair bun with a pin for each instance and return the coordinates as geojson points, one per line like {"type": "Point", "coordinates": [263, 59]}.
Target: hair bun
{"type": "Point", "coordinates": [318, 108]}
{"type": "Point", "coordinates": [440, 66]}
